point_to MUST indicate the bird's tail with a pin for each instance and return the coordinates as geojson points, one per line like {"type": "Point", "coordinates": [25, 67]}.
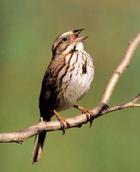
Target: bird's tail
{"type": "Point", "coordinates": [39, 142]}
{"type": "Point", "coordinates": [38, 146]}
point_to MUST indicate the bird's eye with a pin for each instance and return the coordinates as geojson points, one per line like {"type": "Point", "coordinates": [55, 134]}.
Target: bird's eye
{"type": "Point", "coordinates": [64, 39]}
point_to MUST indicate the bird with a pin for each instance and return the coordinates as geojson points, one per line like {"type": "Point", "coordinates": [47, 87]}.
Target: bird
{"type": "Point", "coordinates": [67, 79]}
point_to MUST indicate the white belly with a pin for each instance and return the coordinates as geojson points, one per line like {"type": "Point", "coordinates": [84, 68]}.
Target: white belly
{"type": "Point", "coordinates": [76, 83]}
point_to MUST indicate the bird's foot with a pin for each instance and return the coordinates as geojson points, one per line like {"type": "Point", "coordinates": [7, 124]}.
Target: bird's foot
{"type": "Point", "coordinates": [64, 124]}
{"type": "Point", "coordinates": [88, 113]}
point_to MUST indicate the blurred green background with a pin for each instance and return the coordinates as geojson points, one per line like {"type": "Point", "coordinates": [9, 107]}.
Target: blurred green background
{"type": "Point", "coordinates": [27, 30]}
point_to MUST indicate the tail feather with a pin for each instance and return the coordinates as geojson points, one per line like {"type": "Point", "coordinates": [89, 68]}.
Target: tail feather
{"type": "Point", "coordinates": [38, 146]}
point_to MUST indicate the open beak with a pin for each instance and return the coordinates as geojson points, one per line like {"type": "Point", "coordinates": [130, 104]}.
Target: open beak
{"type": "Point", "coordinates": [77, 31]}
{"type": "Point", "coordinates": [76, 37]}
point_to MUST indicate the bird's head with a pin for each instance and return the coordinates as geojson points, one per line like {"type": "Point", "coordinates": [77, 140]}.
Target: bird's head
{"type": "Point", "coordinates": [68, 42]}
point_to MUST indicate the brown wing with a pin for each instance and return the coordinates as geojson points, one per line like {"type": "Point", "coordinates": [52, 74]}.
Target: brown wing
{"type": "Point", "coordinates": [48, 96]}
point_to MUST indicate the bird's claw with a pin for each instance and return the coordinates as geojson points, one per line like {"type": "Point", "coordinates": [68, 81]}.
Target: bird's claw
{"type": "Point", "coordinates": [89, 116]}
{"type": "Point", "coordinates": [64, 124]}
{"type": "Point", "coordinates": [88, 113]}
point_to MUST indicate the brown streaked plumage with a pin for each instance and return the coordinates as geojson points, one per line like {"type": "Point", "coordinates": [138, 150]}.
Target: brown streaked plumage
{"type": "Point", "coordinates": [67, 79]}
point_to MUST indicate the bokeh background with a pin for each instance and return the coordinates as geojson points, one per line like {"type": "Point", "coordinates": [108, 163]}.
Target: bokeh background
{"type": "Point", "coordinates": [27, 30]}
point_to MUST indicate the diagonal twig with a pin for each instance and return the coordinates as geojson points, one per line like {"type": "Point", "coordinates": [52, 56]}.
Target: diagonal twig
{"type": "Point", "coordinates": [120, 69]}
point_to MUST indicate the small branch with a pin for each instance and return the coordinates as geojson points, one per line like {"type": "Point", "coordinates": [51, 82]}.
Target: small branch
{"type": "Point", "coordinates": [120, 69]}
{"type": "Point", "coordinates": [79, 120]}
{"type": "Point", "coordinates": [132, 104]}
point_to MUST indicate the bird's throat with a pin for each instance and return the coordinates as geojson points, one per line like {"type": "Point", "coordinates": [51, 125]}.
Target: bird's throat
{"type": "Point", "coordinates": [79, 46]}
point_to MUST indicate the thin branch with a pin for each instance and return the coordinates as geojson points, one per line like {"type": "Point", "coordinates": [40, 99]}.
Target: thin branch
{"type": "Point", "coordinates": [79, 120]}
{"type": "Point", "coordinates": [131, 104]}
{"type": "Point", "coordinates": [76, 121]}
{"type": "Point", "coordinates": [120, 69]}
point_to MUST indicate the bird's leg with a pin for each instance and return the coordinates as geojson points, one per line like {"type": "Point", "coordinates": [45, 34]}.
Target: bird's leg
{"type": "Point", "coordinates": [88, 113]}
{"type": "Point", "coordinates": [64, 124]}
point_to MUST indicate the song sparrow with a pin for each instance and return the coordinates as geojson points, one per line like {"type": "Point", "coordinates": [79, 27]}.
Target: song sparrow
{"type": "Point", "coordinates": [66, 80]}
